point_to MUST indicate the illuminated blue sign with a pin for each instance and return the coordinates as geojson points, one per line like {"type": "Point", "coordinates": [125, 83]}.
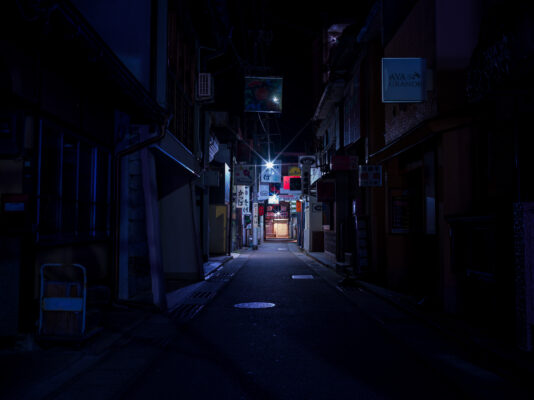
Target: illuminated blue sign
{"type": "Point", "coordinates": [403, 80]}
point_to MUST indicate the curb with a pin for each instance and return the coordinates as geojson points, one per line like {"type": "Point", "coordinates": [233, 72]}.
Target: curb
{"type": "Point", "coordinates": [213, 271]}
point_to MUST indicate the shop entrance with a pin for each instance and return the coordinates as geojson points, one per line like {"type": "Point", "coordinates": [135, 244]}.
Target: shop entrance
{"type": "Point", "coordinates": [281, 229]}
{"type": "Point", "coordinates": [277, 221]}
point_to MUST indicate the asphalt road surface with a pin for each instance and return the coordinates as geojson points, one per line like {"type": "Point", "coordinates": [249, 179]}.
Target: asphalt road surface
{"type": "Point", "coordinates": [313, 344]}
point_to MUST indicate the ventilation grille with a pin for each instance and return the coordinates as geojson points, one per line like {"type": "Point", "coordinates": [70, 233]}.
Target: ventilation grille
{"type": "Point", "coordinates": [205, 86]}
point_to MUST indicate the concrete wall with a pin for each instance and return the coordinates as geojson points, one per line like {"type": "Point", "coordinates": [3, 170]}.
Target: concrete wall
{"type": "Point", "coordinates": [177, 235]}
{"type": "Point", "coordinates": [218, 216]}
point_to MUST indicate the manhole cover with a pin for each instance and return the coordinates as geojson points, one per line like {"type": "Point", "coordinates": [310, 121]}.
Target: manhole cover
{"type": "Point", "coordinates": [254, 305]}
{"type": "Point", "coordinates": [301, 276]}
{"type": "Point", "coordinates": [281, 249]}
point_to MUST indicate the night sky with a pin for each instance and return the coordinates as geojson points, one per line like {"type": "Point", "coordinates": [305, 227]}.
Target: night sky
{"type": "Point", "coordinates": [290, 30]}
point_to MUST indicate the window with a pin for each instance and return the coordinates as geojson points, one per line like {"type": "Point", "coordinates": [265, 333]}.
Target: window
{"type": "Point", "coordinates": [74, 187]}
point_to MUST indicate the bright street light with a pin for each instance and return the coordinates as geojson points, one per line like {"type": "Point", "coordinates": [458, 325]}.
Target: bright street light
{"type": "Point", "coordinates": [269, 164]}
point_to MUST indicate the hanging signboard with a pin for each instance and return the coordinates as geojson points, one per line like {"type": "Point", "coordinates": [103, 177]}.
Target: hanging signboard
{"type": "Point", "coordinates": [273, 174]}
{"type": "Point", "coordinates": [370, 175]}
{"type": "Point", "coordinates": [263, 94]}
{"type": "Point", "coordinates": [403, 80]}
{"type": "Point", "coordinates": [244, 175]}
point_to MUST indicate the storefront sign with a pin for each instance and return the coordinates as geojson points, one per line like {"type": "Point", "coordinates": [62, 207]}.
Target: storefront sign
{"type": "Point", "coordinates": [291, 185]}
{"type": "Point", "coordinates": [403, 80]}
{"type": "Point", "coordinates": [244, 175]}
{"type": "Point", "coordinates": [273, 174]}
{"type": "Point", "coordinates": [370, 175]}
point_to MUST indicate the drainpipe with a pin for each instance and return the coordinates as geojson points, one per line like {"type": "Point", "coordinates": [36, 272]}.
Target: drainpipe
{"type": "Point", "coordinates": [118, 157]}
{"type": "Point", "coordinates": [229, 221]}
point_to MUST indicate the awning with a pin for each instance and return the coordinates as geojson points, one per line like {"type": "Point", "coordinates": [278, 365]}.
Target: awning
{"type": "Point", "coordinates": [175, 164]}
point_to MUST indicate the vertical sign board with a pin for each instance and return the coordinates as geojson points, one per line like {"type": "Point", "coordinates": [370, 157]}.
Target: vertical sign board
{"type": "Point", "coordinates": [403, 80]}
{"type": "Point", "coordinates": [243, 198]}
{"type": "Point", "coordinates": [246, 205]}
{"type": "Point", "coordinates": [255, 214]}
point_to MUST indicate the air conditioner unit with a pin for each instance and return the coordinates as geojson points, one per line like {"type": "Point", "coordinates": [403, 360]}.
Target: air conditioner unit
{"type": "Point", "coordinates": [204, 86]}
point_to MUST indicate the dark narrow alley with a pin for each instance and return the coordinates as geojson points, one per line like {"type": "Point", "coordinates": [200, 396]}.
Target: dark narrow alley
{"type": "Point", "coordinates": [266, 199]}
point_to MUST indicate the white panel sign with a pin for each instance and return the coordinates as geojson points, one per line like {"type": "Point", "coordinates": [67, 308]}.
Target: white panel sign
{"type": "Point", "coordinates": [263, 191]}
{"type": "Point", "coordinates": [403, 80]}
{"type": "Point", "coordinates": [272, 175]}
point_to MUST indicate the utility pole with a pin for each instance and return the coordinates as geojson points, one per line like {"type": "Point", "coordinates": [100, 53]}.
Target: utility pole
{"type": "Point", "coordinates": [255, 215]}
